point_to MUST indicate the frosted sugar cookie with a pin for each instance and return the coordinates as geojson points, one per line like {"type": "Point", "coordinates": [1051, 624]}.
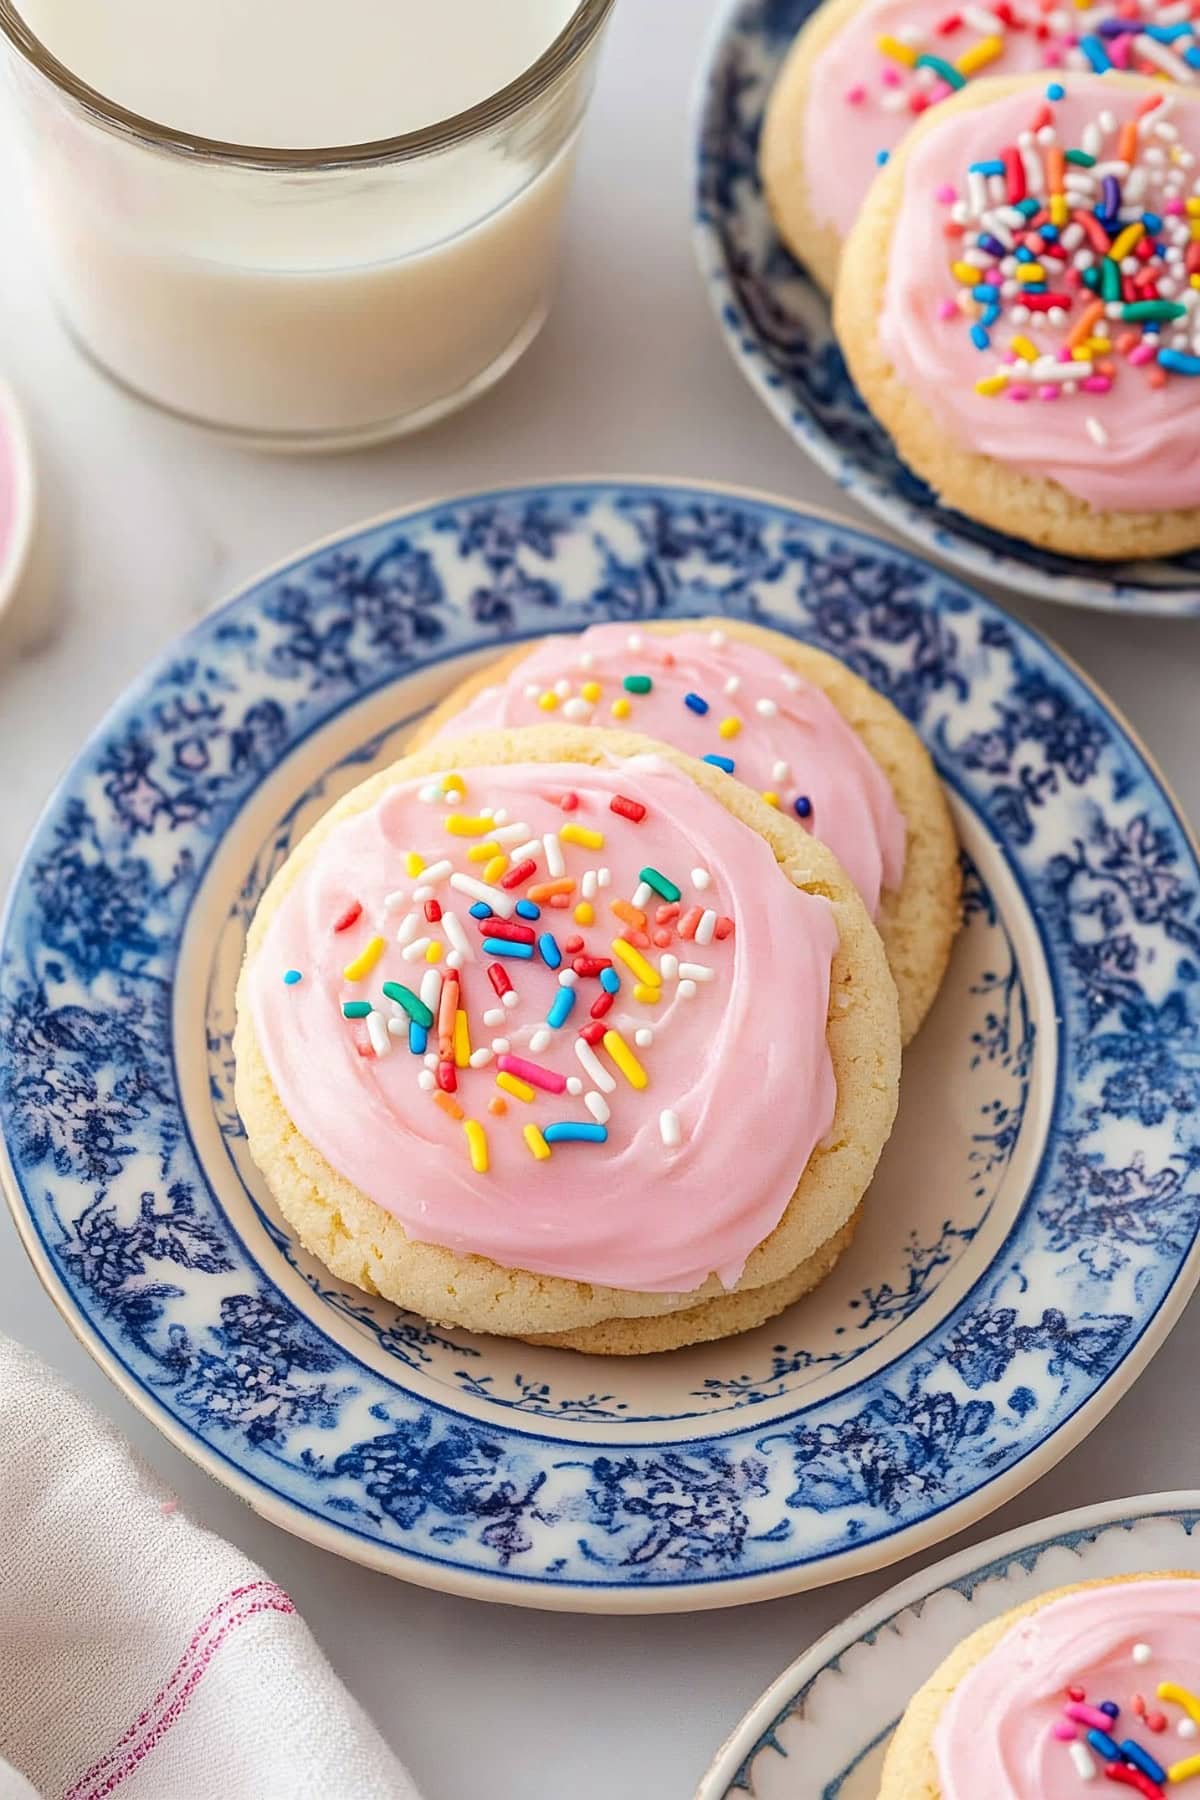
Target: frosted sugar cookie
{"type": "Point", "coordinates": [1096, 1683]}
{"type": "Point", "coordinates": [1020, 305]}
{"type": "Point", "coordinates": [547, 1030]}
{"type": "Point", "coordinates": [794, 724]}
{"type": "Point", "coordinates": [861, 72]}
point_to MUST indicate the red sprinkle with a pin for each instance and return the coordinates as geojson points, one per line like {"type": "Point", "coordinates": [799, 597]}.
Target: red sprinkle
{"type": "Point", "coordinates": [663, 915]}
{"type": "Point", "coordinates": [352, 912]}
{"type": "Point", "coordinates": [569, 801]}
{"type": "Point", "coordinates": [1138, 1705]}
{"type": "Point", "coordinates": [628, 809]}
{"type": "Point", "coordinates": [560, 902]}
{"type": "Point", "coordinates": [498, 976]}
{"type": "Point", "coordinates": [689, 921]}
{"type": "Point", "coordinates": [508, 929]}
{"type": "Point", "coordinates": [572, 944]}
{"type": "Point", "coordinates": [1078, 1694]}
{"type": "Point", "coordinates": [519, 873]}
{"type": "Point", "coordinates": [433, 911]}
{"type": "Point", "coordinates": [601, 1004]}
{"type": "Point", "coordinates": [591, 965]}
{"type": "Point", "coordinates": [722, 928]}
{"type": "Point", "coordinates": [1156, 1722]}
{"type": "Point", "coordinates": [1127, 1776]}
{"type": "Point", "coordinates": [661, 936]}
{"type": "Point", "coordinates": [447, 1078]}
{"type": "Point", "coordinates": [592, 1034]}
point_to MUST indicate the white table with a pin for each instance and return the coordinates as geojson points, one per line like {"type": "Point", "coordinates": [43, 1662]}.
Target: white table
{"type": "Point", "coordinates": [157, 522]}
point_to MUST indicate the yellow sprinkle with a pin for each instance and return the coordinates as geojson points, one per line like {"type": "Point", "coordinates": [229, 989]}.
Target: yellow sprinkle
{"type": "Point", "coordinates": [512, 1084]}
{"type": "Point", "coordinates": [966, 273]}
{"type": "Point", "coordinates": [536, 1142]}
{"type": "Point", "coordinates": [1170, 1690]}
{"type": "Point", "coordinates": [1060, 211]}
{"type": "Point", "coordinates": [1030, 272]}
{"type": "Point", "coordinates": [620, 709]}
{"type": "Point", "coordinates": [637, 962]}
{"type": "Point", "coordinates": [454, 789]}
{"type": "Point", "coordinates": [1081, 353]}
{"type": "Point", "coordinates": [365, 961]}
{"type": "Point", "coordinates": [1195, 281]}
{"type": "Point", "coordinates": [649, 996]}
{"type": "Point", "coordinates": [1195, 230]}
{"type": "Point", "coordinates": [1098, 345]}
{"type": "Point", "coordinates": [901, 53]}
{"type": "Point", "coordinates": [1124, 242]}
{"type": "Point", "coordinates": [462, 1040]}
{"type": "Point", "coordinates": [585, 913]}
{"type": "Point", "coordinates": [583, 836]}
{"type": "Point", "coordinates": [624, 1058]}
{"type": "Point", "coordinates": [494, 870]}
{"type": "Point", "coordinates": [548, 701]}
{"type": "Point", "coordinates": [1183, 1771]}
{"type": "Point", "coordinates": [591, 691]}
{"type": "Point", "coordinates": [434, 952]}
{"type": "Point", "coordinates": [1192, 207]}
{"type": "Point", "coordinates": [413, 864]}
{"type": "Point", "coordinates": [770, 798]}
{"type": "Point", "coordinates": [458, 825]}
{"type": "Point", "coordinates": [979, 55]}
{"type": "Point", "coordinates": [477, 1145]}
{"type": "Point", "coordinates": [1025, 347]}
{"type": "Point", "coordinates": [991, 384]}
{"type": "Point", "coordinates": [483, 852]}
{"type": "Point", "coordinates": [729, 728]}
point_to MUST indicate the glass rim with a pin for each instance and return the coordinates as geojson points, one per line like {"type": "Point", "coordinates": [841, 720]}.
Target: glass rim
{"type": "Point", "coordinates": [541, 75]}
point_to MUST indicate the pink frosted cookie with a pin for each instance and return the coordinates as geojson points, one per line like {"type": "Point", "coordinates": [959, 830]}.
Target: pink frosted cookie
{"type": "Point", "coordinates": [1097, 1683]}
{"type": "Point", "coordinates": [863, 71]}
{"type": "Point", "coordinates": [1020, 305]}
{"type": "Point", "coordinates": [494, 1011]}
{"type": "Point", "coordinates": [793, 724]}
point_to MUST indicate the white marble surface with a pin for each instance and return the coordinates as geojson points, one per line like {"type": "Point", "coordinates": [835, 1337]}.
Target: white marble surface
{"type": "Point", "coordinates": [155, 523]}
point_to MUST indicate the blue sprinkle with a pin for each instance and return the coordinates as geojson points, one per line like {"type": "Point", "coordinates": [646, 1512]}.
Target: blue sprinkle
{"type": "Point", "coordinates": [292, 977]}
{"type": "Point", "coordinates": [566, 1131]}
{"type": "Point", "coordinates": [992, 245]}
{"type": "Point", "coordinates": [1095, 52]}
{"type": "Point", "coordinates": [697, 702]}
{"type": "Point", "coordinates": [1101, 1742]}
{"type": "Point", "coordinates": [1110, 1707]}
{"type": "Point", "coordinates": [480, 910]}
{"type": "Point", "coordinates": [1049, 232]}
{"type": "Point", "coordinates": [561, 1006]}
{"type": "Point", "coordinates": [986, 290]}
{"type": "Point", "coordinates": [1166, 34]}
{"type": "Point", "coordinates": [881, 157]}
{"type": "Point", "coordinates": [1023, 255]}
{"type": "Point", "coordinates": [551, 954]}
{"type": "Point", "coordinates": [1056, 91]}
{"type": "Point", "coordinates": [994, 167]}
{"type": "Point", "coordinates": [610, 981]}
{"type": "Point", "coordinates": [1191, 56]}
{"type": "Point", "coordinates": [526, 910]}
{"type": "Point", "coordinates": [803, 806]}
{"type": "Point", "coordinates": [1179, 362]}
{"type": "Point", "coordinates": [979, 337]}
{"type": "Point", "coordinates": [506, 947]}
{"type": "Point", "coordinates": [418, 1037]}
{"type": "Point", "coordinates": [1142, 1759]}
{"type": "Point", "coordinates": [721, 762]}
{"type": "Point", "coordinates": [1152, 222]}
{"type": "Point", "coordinates": [992, 313]}
{"type": "Point", "coordinates": [1028, 207]}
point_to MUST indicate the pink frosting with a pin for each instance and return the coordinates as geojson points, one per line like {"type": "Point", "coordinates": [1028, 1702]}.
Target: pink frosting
{"type": "Point", "coordinates": [793, 742]}
{"type": "Point", "coordinates": [741, 1060]}
{"type": "Point", "coordinates": [1148, 454]}
{"type": "Point", "coordinates": [1008, 1715]}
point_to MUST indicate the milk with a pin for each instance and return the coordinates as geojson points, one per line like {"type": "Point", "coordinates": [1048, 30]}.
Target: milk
{"type": "Point", "coordinates": [331, 304]}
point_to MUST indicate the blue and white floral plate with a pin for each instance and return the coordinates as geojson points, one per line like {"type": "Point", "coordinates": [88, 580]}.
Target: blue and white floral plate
{"type": "Point", "coordinates": [1032, 1233]}
{"type": "Point", "coordinates": [777, 324]}
{"type": "Point", "coordinates": [832, 1713]}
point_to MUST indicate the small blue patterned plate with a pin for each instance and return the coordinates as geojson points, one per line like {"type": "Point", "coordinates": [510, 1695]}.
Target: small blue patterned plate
{"type": "Point", "coordinates": [777, 324]}
{"type": "Point", "coordinates": [832, 1713]}
{"type": "Point", "coordinates": [1032, 1232]}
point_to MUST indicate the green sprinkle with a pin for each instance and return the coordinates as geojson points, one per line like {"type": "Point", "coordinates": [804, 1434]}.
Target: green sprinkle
{"type": "Point", "coordinates": [947, 71]}
{"type": "Point", "coordinates": [1110, 280]}
{"type": "Point", "coordinates": [355, 1009]}
{"type": "Point", "coordinates": [1081, 159]}
{"type": "Point", "coordinates": [412, 1003]}
{"type": "Point", "coordinates": [637, 684]}
{"type": "Point", "coordinates": [660, 884]}
{"type": "Point", "coordinates": [291, 977]}
{"type": "Point", "coordinates": [1153, 309]}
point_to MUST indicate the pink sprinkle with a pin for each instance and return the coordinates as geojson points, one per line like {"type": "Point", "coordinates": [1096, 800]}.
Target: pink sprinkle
{"type": "Point", "coordinates": [1064, 1731]}
{"type": "Point", "coordinates": [1175, 206]}
{"type": "Point", "coordinates": [938, 91]}
{"type": "Point", "coordinates": [1053, 56]}
{"type": "Point", "coordinates": [994, 274]}
{"type": "Point", "coordinates": [1096, 384]}
{"type": "Point", "coordinates": [1018, 391]}
{"type": "Point", "coordinates": [1088, 1715]}
{"type": "Point", "coordinates": [1049, 392]}
{"type": "Point", "coordinates": [166, 1507]}
{"type": "Point", "coordinates": [890, 77]}
{"type": "Point", "coordinates": [856, 95]}
{"type": "Point", "coordinates": [1142, 353]}
{"type": "Point", "coordinates": [533, 1073]}
{"type": "Point", "coordinates": [1119, 50]}
{"type": "Point", "coordinates": [1010, 356]}
{"type": "Point", "coordinates": [947, 309]}
{"type": "Point", "coordinates": [947, 194]}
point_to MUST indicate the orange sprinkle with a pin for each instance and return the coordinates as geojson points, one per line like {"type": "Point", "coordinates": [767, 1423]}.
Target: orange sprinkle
{"type": "Point", "coordinates": [1082, 328]}
{"type": "Point", "coordinates": [1156, 377]}
{"type": "Point", "coordinates": [1055, 165]}
{"type": "Point", "coordinates": [561, 901]}
{"type": "Point", "coordinates": [628, 914]}
{"type": "Point", "coordinates": [1127, 142]}
{"type": "Point", "coordinates": [546, 890]}
{"type": "Point", "coordinates": [497, 1106]}
{"type": "Point", "coordinates": [1106, 368]}
{"type": "Point", "coordinates": [449, 1104]}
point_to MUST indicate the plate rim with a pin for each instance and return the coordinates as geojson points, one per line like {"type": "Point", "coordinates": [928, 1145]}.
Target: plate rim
{"type": "Point", "coordinates": [922, 1585]}
{"type": "Point", "coordinates": [967, 560]}
{"type": "Point", "coordinates": [508, 1586]}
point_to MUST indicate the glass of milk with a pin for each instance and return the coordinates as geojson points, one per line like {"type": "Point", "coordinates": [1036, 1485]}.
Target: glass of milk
{"type": "Point", "coordinates": [310, 224]}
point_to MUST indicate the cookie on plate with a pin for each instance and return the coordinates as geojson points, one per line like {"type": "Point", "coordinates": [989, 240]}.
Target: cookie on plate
{"type": "Point", "coordinates": [1018, 304]}
{"type": "Point", "coordinates": [861, 72]}
{"type": "Point", "coordinates": [794, 724]}
{"type": "Point", "coordinates": [561, 1033]}
{"type": "Point", "coordinates": [1097, 1677]}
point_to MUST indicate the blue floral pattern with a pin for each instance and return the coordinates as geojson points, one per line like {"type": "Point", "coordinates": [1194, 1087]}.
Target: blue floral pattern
{"type": "Point", "coordinates": [778, 327]}
{"type": "Point", "coordinates": [422, 1448]}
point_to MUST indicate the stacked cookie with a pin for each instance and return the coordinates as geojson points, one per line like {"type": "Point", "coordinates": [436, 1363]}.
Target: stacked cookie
{"type": "Point", "coordinates": [582, 1022]}
{"type": "Point", "coordinates": [1005, 203]}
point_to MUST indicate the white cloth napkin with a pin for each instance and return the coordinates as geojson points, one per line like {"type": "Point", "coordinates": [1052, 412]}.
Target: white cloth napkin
{"type": "Point", "coordinates": [140, 1655]}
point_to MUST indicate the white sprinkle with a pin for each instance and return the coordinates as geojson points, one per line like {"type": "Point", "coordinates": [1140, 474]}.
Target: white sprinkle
{"type": "Point", "coordinates": [541, 1039]}
{"type": "Point", "coordinates": [501, 1046]}
{"type": "Point", "coordinates": [668, 1128]}
{"type": "Point", "coordinates": [668, 966]}
{"type": "Point", "coordinates": [500, 902]}
{"type": "Point", "coordinates": [487, 812]}
{"type": "Point", "coordinates": [732, 685]}
{"type": "Point", "coordinates": [1187, 1728]}
{"type": "Point", "coordinates": [588, 885]}
{"type": "Point", "coordinates": [562, 687]}
{"type": "Point", "coordinates": [479, 1059]}
{"type": "Point", "coordinates": [494, 1016]}
{"type": "Point", "coordinates": [555, 866]}
{"type": "Point", "coordinates": [437, 871]}
{"type": "Point", "coordinates": [586, 659]}
{"type": "Point", "coordinates": [567, 978]}
{"type": "Point", "coordinates": [1081, 1756]}
{"type": "Point", "coordinates": [766, 709]}
{"type": "Point", "coordinates": [686, 990]}
{"type": "Point", "coordinates": [417, 948]}
{"type": "Point", "coordinates": [431, 987]}
{"type": "Point", "coordinates": [431, 1059]}
{"type": "Point", "coordinates": [1095, 431]}
{"type": "Point", "coordinates": [780, 772]}
{"type": "Point", "coordinates": [695, 972]}
{"type": "Point", "coordinates": [456, 936]}
{"type": "Point", "coordinates": [603, 877]}
{"type": "Point", "coordinates": [399, 1025]}
{"type": "Point", "coordinates": [598, 1106]}
{"type": "Point", "coordinates": [643, 1037]}
{"type": "Point", "coordinates": [792, 682]}
{"type": "Point", "coordinates": [427, 1080]}
{"type": "Point", "coordinates": [523, 852]}
{"type": "Point", "coordinates": [511, 998]}
{"type": "Point", "coordinates": [421, 895]}
{"type": "Point", "coordinates": [593, 1068]}
{"type": "Point", "coordinates": [454, 960]}
{"type": "Point", "coordinates": [430, 792]}
{"type": "Point", "coordinates": [716, 639]}
{"type": "Point", "coordinates": [706, 927]}
{"type": "Point", "coordinates": [508, 834]}
{"type": "Point", "coordinates": [701, 879]}
{"type": "Point", "coordinates": [577, 710]}
{"type": "Point", "coordinates": [532, 690]}
{"type": "Point", "coordinates": [574, 1086]}
{"type": "Point", "coordinates": [643, 894]}
{"type": "Point", "coordinates": [634, 641]}
{"type": "Point", "coordinates": [409, 925]}
{"type": "Point", "coordinates": [395, 900]}
{"type": "Point", "coordinates": [1141, 1653]}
